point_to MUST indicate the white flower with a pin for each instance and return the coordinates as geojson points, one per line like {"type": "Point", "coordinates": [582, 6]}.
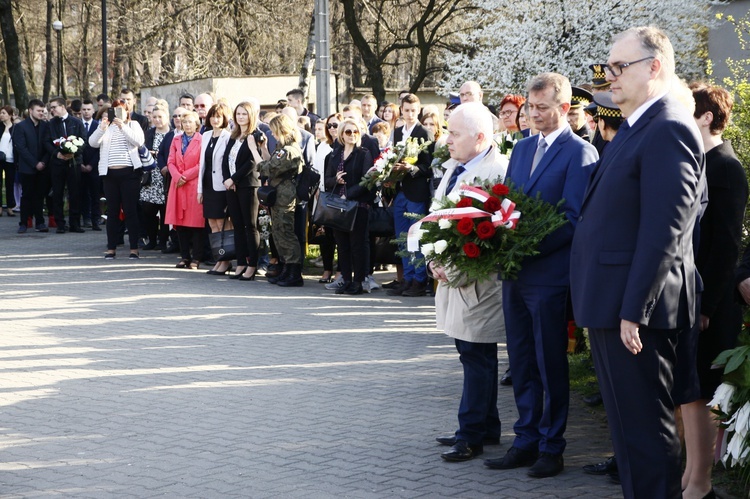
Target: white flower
{"type": "Point", "coordinates": [435, 206]}
{"type": "Point", "coordinates": [441, 246]}
{"type": "Point", "coordinates": [428, 249]}
{"type": "Point", "coordinates": [454, 197]}
{"type": "Point", "coordinates": [723, 397]}
{"type": "Point", "coordinates": [742, 421]}
{"type": "Point", "coordinates": [444, 223]}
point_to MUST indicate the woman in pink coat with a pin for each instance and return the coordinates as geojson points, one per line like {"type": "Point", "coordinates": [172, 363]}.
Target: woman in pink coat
{"type": "Point", "coordinates": [183, 210]}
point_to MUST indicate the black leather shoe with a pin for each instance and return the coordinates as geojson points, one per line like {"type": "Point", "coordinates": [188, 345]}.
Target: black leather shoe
{"type": "Point", "coordinates": [514, 458]}
{"type": "Point", "coordinates": [547, 465]}
{"type": "Point", "coordinates": [60, 230]}
{"type": "Point", "coordinates": [506, 379]}
{"type": "Point", "coordinates": [399, 290]}
{"type": "Point", "coordinates": [593, 400]}
{"type": "Point", "coordinates": [451, 440]}
{"type": "Point", "coordinates": [354, 288]}
{"type": "Point", "coordinates": [462, 451]}
{"type": "Point", "coordinates": [77, 230]}
{"type": "Point", "coordinates": [96, 227]}
{"type": "Point", "coordinates": [604, 468]}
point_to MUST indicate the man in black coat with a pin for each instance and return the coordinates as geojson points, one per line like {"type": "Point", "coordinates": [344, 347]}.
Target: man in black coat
{"type": "Point", "coordinates": [90, 191]}
{"type": "Point", "coordinates": [65, 168]}
{"type": "Point", "coordinates": [413, 194]}
{"type": "Point", "coordinates": [31, 160]}
{"type": "Point", "coordinates": [632, 269]}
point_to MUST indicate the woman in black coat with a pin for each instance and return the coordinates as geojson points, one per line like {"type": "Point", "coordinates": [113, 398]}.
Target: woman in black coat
{"type": "Point", "coordinates": [718, 250]}
{"type": "Point", "coordinates": [345, 167]}
{"type": "Point", "coordinates": [242, 181]}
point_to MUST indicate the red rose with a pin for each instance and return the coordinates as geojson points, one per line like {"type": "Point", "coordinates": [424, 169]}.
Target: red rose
{"type": "Point", "coordinates": [465, 226]}
{"type": "Point", "coordinates": [471, 250]}
{"type": "Point", "coordinates": [492, 205]}
{"type": "Point", "coordinates": [464, 203]}
{"type": "Point", "coordinates": [500, 190]}
{"type": "Point", "coordinates": [485, 230]}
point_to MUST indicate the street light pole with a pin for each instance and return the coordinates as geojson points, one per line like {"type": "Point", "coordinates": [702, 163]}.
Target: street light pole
{"type": "Point", "coordinates": [105, 70]}
{"type": "Point", "coordinates": [58, 26]}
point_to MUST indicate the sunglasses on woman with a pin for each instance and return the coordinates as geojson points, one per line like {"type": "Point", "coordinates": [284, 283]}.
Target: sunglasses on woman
{"type": "Point", "coordinates": [332, 126]}
{"type": "Point", "coordinates": [351, 132]}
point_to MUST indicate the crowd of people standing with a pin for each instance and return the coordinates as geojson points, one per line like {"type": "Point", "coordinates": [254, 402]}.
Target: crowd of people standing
{"type": "Point", "coordinates": [654, 201]}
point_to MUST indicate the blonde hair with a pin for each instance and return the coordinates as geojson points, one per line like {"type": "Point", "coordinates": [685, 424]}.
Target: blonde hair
{"type": "Point", "coordinates": [343, 125]}
{"type": "Point", "coordinates": [284, 130]}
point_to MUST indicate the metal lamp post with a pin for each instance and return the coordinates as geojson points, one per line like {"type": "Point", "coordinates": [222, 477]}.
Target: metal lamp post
{"type": "Point", "coordinates": [58, 26]}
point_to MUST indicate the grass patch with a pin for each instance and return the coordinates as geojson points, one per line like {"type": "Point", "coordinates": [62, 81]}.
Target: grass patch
{"type": "Point", "coordinates": [582, 375]}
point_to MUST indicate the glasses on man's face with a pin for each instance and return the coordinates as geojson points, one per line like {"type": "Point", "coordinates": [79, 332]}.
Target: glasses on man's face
{"type": "Point", "coordinates": [332, 126]}
{"type": "Point", "coordinates": [465, 95]}
{"type": "Point", "coordinates": [507, 113]}
{"type": "Point", "coordinates": [199, 106]}
{"type": "Point", "coordinates": [615, 69]}
{"type": "Point", "coordinates": [351, 132]}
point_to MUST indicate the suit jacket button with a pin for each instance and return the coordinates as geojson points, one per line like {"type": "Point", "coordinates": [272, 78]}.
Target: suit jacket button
{"type": "Point", "coordinates": [580, 219]}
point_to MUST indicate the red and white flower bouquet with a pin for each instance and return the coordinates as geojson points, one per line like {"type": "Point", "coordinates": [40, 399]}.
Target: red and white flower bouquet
{"type": "Point", "coordinates": [478, 231]}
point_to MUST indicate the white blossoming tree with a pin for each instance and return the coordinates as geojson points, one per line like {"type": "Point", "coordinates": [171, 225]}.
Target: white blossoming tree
{"type": "Point", "coordinates": [515, 40]}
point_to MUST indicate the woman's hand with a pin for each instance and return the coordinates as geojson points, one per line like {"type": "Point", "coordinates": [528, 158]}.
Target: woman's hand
{"type": "Point", "coordinates": [118, 122]}
{"type": "Point", "coordinates": [104, 123]}
{"type": "Point", "coordinates": [251, 142]}
{"type": "Point", "coordinates": [229, 184]}
{"type": "Point", "coordinates": [182, 181]}
{"type": "Point", "coordinates": [200, 198]}
{"type": "Point", "coordinates": [340, 177]}
{"type": "Point", "coordinates": [164, 171]}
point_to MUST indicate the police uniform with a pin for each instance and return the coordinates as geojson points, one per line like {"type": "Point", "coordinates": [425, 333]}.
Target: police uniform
{"type": "Point", "coordinates": [580, 99]}
{"type": "Point", "coordinates": [281, 169]}
{"type": "Point", "coordinates": [599, 81]}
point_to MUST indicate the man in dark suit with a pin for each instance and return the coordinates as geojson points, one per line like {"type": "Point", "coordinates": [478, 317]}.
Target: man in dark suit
{"type": "Point", "coordinates": [31, 160]}
{"type": "Point", "coordinates": [369, 106]}
{"type": "Point", "coordinates": [65, 168]}
{"type": "Point", "coordinates": [90, 190]}
{"type": "Point", "coordinates": [554, 164]}
{"type": "Point", "coordinates": [128, 96]}
{"type": "Point", "coordinates": [413, 194]}
{"type": "Point", "coordinates": [633, 277]}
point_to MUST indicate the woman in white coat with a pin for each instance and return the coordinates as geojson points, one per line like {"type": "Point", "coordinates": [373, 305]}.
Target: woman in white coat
{"type": "Point", "coordinates": [211, 190]}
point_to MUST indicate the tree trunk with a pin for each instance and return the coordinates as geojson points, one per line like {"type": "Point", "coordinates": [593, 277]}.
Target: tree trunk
{"type": "Point", "coordinates": [13, 54]}
{"type": "Point", "coordinates": [309, 60]}
{"type": "Point", "coordinates": [28, 53]}
{"type": "Point", "coordinates": [119, 56]}
{"type": "Point", "coordinates": [370, 60]}
{"type": "Point", "coordinates": [49, 54]}
{"type": "Point", "coordinates": [83, 77]}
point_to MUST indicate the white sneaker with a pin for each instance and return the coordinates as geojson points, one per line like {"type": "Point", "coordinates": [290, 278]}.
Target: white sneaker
{"type": "Point", "coordinates": [373, 284]}
{"type": "Point", "coordinates": [366, 286]}
{"type": "Point", "coordinates": [336, 284]}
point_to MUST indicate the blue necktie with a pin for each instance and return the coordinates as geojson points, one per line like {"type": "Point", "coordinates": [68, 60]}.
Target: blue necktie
{"type": "Point", "coordinates": [454, 178]}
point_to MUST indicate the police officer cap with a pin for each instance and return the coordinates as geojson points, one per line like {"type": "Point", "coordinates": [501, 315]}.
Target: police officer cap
{"type": "Point", "coordinates": [581, 97]}
{"type": "Point", "coordinates": [599, 80]}
{"type": "Point", "coordinates": [605, 107]}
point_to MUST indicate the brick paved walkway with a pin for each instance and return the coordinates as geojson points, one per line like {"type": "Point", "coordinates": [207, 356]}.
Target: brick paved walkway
{"type": "Point", "coordinates": [136, 379]}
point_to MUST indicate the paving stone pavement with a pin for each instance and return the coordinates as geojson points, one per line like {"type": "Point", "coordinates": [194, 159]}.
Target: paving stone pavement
{"type": "Point", "coordinates": [136, 379]}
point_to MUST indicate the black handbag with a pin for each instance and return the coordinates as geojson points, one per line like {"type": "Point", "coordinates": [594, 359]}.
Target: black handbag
{"type": "Point", "coordinates": [222, 244]}
{"type": "Point", "coordinates": [267, 195]}
{"type": "Point", "coordinates": [381, 222]}
{"type": "Point", "coordinates": [146, 178]}
{"type": "Point", "coordinates": [336, 212]}
{"type": "Point", "coordinates": [307, 183]}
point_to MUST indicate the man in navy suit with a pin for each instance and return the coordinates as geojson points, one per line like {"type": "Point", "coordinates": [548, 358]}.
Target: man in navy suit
{"type": "Point", "coordinates": [555, 165]}
{"type": "Point", "coordinates": [31, 159]}
{"type": "Point", "coordinates": [90, 190]}
{"type": "Point", "coordinates": [633, 277]}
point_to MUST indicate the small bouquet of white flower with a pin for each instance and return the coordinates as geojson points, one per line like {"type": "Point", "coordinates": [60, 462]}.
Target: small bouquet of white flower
{"type": "Point", "coordinates": [382, 171]}
{"type": "Point", "coordinates": [69, 144]}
